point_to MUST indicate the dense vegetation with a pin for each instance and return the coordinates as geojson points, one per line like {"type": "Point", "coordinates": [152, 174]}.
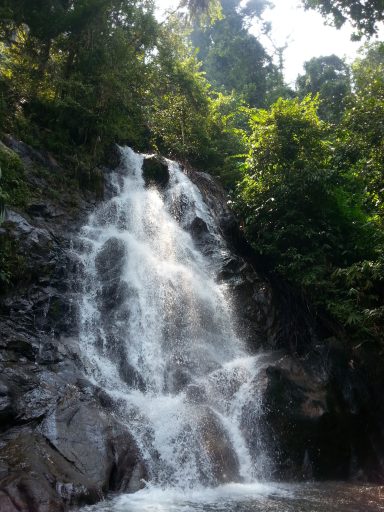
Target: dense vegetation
{"type": "Point", "coordinates": [364, 15]}
{"type": "Point", "coordinates": [304, 168]}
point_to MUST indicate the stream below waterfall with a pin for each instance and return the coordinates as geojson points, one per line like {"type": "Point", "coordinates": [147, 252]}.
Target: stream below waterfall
{"type": "Point", "coordinates": [325, 497]}
{"type": "Point", "coordinates": [158, 337]}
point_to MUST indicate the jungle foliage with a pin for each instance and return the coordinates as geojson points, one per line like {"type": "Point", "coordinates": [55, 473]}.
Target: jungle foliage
{"type": "Point", "coordinates": [304, 168]}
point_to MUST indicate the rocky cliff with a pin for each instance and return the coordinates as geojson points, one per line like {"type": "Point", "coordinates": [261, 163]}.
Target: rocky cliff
{"type": "Point", "coordinates": [60, 443]}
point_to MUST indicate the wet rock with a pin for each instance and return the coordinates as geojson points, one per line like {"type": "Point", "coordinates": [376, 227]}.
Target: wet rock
{"type": "Point", "coordinates": [111, 259]}
{"type": "Point", "coordinates": [130, 375]}
{"type": "Point", "coordinates": [129, 472]}
{"type": "Point", "coordinates": [155, 171]}
{"type": "Point", "coordinates": [39, 474]}
{"type": "Point", "coordinates": [113, 295]}
{"type": "Point", "coordinates": [217, 445]}
{"type": "Point", "coordinates": [198, 227]}
{"type": "Point", "coordinates": [6, 406]}
{"type": "Point", "coordinates": [114, 292]}
{"type": "Point", "coordinates": [113, 156]}
{"type": "Point", "coordinates": [30, 155]}
{"type": "Point", "coordinates": [205, 240]}
{"type": "Point", "coordinates": [254, 304]}
{"type": "Point", "coordinates": [177, 378]}
{"type": "Point", "coordinates": [230, 268]}
{"type": "Point", "coordinates": [179, 206]}
{"type": "Point", "coordinates": [44, 210]}
{"type": "Point", "coordinates": [25, 493]}
{"type": "Point", "coordinates": [305, 426]}
{"type": "Point", "coordinates": [79, 432]}
{"type": "Point", "coordinates": [74, 456]}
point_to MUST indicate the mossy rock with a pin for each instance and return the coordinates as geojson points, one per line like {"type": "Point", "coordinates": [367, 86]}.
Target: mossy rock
{"type": "Point", "coordinates": [155, 171]}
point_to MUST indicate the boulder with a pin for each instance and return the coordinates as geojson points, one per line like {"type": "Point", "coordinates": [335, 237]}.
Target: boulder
{"type": "Point", "coordinates": [73, 457]}
{"type": "Point", "coordinates": [198, 227]}
{"type": "Point", "coordinates": [155, 171]}
{"type": "Point", "coordinates": [311, 423]}
{"type": "Point", "coordinates": [218, 447]}
{"type": "Point", "coordinates": [110, 260]}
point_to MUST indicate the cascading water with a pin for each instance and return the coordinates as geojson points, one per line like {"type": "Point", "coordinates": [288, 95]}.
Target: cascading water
{"type": "Point", "coordinates": [157, 336]}
{"type": "Point", "coordinates": [157, 331]}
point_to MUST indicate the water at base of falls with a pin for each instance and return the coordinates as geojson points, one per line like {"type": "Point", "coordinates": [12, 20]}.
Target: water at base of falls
{"type": "Point", "coordinates": [157, 332]}
{"type": "Point", "coordinates": [325, 497]}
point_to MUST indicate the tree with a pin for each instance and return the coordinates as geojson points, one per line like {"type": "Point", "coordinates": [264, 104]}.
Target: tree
{"type": "Point", "coordinates": [203, 10]}
{"type": "Point", "coordinates": [234, 59]}
{"type": "Point", "coordinates": [188, 119]}
{"type": "Point", "coordinates": [361, 144]}
{"type": "Point", "coordinates": [178, 111]}
{"type": "Point", "coordinates": [82, 80]}
{"type": "Point", "coordinates": [365, 16]}
{"type": "Point", "coordinates": [306, 217]}
{"type": "Point", "coordinates": [368, 68]}
{"type": "Point", "coordinates": [330, 78]}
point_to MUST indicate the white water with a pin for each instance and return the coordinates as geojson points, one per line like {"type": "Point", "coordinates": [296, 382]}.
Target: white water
{"type": "Point", "coordinates": [157, 333]}
{"type": "Point", "coordinates": [224, 498]}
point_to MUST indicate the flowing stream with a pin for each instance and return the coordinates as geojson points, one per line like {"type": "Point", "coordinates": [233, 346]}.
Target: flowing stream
{"type": "Point", "coordinates": [157, 335]}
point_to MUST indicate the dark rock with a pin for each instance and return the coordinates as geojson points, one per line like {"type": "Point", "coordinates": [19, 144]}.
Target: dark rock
{"type": "Point", "coordinates": [179, 206]}
{"type": "Point", "coordinates": [110, 260]}
{"type": "Point", "coordinates": [44, 210]}
{"type": "Point", "coordinates": [74, 456]}
{"type": "Point", "coordinates": [29, 154]}
{"type": "Point", "coordinates": [216, 443]}
{"type": "Point", "coordinates": [25, 492]}
{"type": "Point", "coordinates": [129, 471]}
{"type": "Point", "coordinates": [6, 402]}
{"type": "Point", "coordinates": [41, 477]}
{"type": "Point", "coordinates": [255, 307]}
{"type": "Point", "coordinates": [130, 375]}
{"type": "Point", "coordinates": [79, 432]}
{"type": "Point", "coordinates": [114, 292]}
{"type": "Point", "coordinates": [155, 171]}
{"type": "Point", "coordinates": [58, 448]}
{"type": "Point", "coordinates": [177, 379]}
{"type": "Point", "coordinates": [306, 427]}
{"type": "Point", "coordinates": [21, 225]}
{"type": "Point", "coordinates": [198, 227]}
{"type": "Point", "coordinates": [230, 268]}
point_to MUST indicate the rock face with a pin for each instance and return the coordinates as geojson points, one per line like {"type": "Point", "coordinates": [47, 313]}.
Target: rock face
{"type": "Point", "coordinates": [59, 443]}
{"type": "Point", "coordinates": [254, 302]}
{"type": "Point", "coordinates": [318, 414]}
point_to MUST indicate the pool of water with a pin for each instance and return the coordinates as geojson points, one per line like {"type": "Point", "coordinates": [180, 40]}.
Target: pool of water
{"type": "Point", "coordinates": [313, 497]}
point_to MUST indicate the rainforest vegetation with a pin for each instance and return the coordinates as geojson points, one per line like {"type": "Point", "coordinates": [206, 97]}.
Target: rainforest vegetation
{"type": "Point", "coordinates": [303, 165]}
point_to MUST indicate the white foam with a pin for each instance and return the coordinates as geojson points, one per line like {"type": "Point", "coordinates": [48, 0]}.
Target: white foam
{"type": "Point", "coordinates": [153, 499]}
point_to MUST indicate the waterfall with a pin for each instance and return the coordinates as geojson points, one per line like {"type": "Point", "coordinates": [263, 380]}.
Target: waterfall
{"type": "Point", "coordinates": [157, 331]}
